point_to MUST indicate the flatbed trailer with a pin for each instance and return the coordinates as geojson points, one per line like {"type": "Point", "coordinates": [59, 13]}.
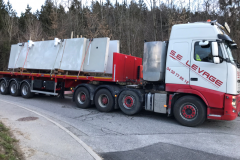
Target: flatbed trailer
{"type": "Point", "coordinates": [126, 71]}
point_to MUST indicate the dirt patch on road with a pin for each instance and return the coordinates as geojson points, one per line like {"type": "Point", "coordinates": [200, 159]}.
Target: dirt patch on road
{"type": "Point", "coordinates": [28, 119]}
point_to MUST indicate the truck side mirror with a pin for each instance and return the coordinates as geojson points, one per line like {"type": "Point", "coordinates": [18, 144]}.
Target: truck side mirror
{"type": "Point", "coordinates": [216, 60]}
{"type": "Point", "coordinates": [215, 55]}
{"type": "Point", "coordinates": [215, 49]}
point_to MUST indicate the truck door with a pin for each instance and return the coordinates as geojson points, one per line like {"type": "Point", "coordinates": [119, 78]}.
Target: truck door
{"type": "Point", "coordinates": [177, 73]}
{"type": "Point", "coordinates": [207, 77]}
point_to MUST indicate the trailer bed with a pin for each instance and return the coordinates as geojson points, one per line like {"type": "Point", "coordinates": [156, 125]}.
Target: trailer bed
{"type": "Point", "coordinates": [73, 77]}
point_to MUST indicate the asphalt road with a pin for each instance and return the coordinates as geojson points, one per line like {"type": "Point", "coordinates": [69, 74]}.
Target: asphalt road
{"type": "Point", "coordinates": [145, 136]}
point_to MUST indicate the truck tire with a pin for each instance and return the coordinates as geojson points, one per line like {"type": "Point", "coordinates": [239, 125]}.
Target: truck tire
{"type": "Point", "coordinates": [129, 102]}
{"type": "Point", "coordinates": [104, 100]}
{"type": "Point", "coordinates": [82, 98]}
{"type": "Point", "coordinates": [190, 111]}
{"type": "Point", "coordinates": [13, 89]}
{"type": "Point", "coordinates": [3, 88]}
{"type": "Point", "coordinates": [26, 91]}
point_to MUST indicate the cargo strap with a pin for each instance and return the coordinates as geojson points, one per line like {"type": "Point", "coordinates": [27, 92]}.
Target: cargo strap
{"type": "Point", "coordinates": [56, 57]}
{"type": "Point", "coordinates": [84, 57]}
{"type": "Point", "coordinates": [62, 55]}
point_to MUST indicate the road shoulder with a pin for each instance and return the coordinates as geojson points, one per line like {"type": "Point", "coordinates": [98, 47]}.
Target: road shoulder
{"type": "Point", "coordinates": [39, 138]}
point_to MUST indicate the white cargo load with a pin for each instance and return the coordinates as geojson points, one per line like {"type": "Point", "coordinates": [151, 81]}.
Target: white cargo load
{"type": "Point", "coordinates": [97, 55]}
{"type": "Point", "coordinates": [71, 57]}
{"type": "Point", "coordinates": [68, 54]}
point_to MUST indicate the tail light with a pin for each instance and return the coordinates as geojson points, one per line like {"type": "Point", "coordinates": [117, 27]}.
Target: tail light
{"type": "Point", "coordinates": [234, 102]}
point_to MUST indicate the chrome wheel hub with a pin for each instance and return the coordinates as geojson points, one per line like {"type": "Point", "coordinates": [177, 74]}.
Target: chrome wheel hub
{"type": "Point", "coordinates": [189, 112]}
{"type": "Point", "coordinates": [128, 101]}
{"type": "Point", "coordinates": [25, 90]}
{"type": "Point", "coordinates": [81, 97]}
{"type": "Point", "coordinates": [3, 87]}
{"type": "Point", "coordinates": [103, 100]}
{"type": "Point", "coordinates": [13, 88]}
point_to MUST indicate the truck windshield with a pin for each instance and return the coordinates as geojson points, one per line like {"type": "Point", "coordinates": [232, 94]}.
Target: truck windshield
{"type": "Point", "coordinates": [229, 51]}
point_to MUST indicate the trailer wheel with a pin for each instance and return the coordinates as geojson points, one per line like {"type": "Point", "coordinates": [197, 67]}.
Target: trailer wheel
{"type": "Point", "coordinates": [3, 88]}
{"type": "Point", "coordinates": [129, 102]}
{"type": "Point", "coordinates": [104, 100]}
{"type": "Point", "coordinates": [82, 98]}
{"type": "Point", "coordinates": [14, 91]}
{"type": "Point", "coordinates": [26, 91]}
{"type": "Point", "coordinates": [190, 111]}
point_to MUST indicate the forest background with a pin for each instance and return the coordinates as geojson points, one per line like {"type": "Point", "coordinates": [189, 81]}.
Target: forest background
{"type": "Point", "coordinates": [130, 21]}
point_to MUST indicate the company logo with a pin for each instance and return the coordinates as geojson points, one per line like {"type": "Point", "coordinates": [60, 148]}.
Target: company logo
{"type": "Point", "coordinates": [196, 69]}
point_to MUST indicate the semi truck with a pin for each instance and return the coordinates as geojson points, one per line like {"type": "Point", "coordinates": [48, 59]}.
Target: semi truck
{"type": "Point", "coordinates": [192, 77]}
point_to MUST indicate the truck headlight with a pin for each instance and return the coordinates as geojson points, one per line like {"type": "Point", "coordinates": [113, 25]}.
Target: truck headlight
{"type": "Point", "coordinates": [234, 101]}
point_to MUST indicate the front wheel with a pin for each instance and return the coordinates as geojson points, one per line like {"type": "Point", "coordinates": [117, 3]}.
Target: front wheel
{"type": "Point", "coordinates": [190, 111]}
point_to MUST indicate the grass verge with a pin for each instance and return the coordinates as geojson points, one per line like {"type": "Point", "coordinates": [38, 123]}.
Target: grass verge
{"type": "Point", "coordinates": [7, 145]}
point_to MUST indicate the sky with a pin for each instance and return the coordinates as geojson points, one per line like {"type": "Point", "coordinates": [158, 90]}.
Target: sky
{"type": "Point", "coordinates": [20, 5]}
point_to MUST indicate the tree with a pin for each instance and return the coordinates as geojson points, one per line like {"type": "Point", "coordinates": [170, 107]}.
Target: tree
{"type": "Point", "coordinates": [45, 18]}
